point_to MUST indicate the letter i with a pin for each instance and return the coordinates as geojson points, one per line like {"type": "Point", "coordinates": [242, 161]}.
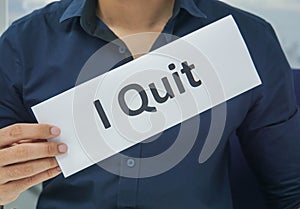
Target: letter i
{"type": "Point", "coordinates": [177, 79]}
{"type": "Point", "coordinates": [102, 114]}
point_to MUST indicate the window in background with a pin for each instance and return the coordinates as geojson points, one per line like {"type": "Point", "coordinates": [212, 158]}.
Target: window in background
{"type": "Point", "coordinates": [3, 15]}
{"type": "Point", "coordinates": [284, 15]}
{"type": "Point", "coordinates": [19, 8]}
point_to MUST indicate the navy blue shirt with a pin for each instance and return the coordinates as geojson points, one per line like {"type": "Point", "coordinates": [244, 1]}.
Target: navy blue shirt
{"type": "Point", "coordinates": [42, 54]}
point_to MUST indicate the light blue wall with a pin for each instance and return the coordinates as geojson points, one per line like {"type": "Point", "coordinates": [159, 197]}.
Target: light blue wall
{"type": "Point", "coordinates": [3, 15]}
{"type": "Point", "coordinates": [27, 200]}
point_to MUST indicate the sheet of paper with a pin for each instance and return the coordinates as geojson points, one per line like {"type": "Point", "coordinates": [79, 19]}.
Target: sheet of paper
{"type": "Point", "coordinates": [131, 103]}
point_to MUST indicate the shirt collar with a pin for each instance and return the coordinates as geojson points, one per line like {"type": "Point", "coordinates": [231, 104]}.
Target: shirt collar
{"type": "Point", "coordinates": [76, 7]}
{"type": "Point", "coordinates": [73, 10]}
{"type": "Point", "coordinates": [191, 7]}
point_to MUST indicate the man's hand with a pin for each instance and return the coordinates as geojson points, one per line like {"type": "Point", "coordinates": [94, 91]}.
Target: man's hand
{"type": "Point", "coordinates": [26, 159]}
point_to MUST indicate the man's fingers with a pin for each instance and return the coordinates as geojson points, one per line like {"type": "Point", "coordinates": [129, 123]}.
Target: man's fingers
{"type": "Point", "coordinates": [30, 151]}
{"type": "Point", "coordinates": [26, 183]}
{"type": "Point", "coordinates": [16, 187]}
{"type": "Point", "coordinates": [24, 170]}
{"type": "Point", "coordinates": [17, 132]}
{"type": "Point", "coordinates": [26, 159]}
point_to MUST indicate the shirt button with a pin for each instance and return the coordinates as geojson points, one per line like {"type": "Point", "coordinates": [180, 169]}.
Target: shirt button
{"type": "Point", "coordinates": [122, 49]}
{"type": "Point", "coordinates": [130, 163]}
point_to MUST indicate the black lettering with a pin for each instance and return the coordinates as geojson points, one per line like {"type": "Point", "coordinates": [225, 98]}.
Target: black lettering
{"type": "Point", "coordinates": [187, 69]}
{"type": "Point", "coordinates": [144, 99]}
{"type": "Point", "coordinates": [177, 79]}
{"type": "Point", "coordinates": [102, 114]}
{"type": "Point", "coordinates": [169, 91]}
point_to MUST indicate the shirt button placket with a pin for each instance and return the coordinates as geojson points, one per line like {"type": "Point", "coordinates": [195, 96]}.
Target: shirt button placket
{"type": "Point", "coordinates": [128, 186]}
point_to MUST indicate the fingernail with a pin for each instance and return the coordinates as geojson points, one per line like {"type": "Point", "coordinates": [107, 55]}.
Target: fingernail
{"type": "Point", "coordinates": [55, 131]}
{"type": "Point", "coordinates": [58, 169]}
{"type": "Point", "coordinates": [62, 148]}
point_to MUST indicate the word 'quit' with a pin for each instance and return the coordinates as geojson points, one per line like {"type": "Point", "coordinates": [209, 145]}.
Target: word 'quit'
{"type": "Point", "coordinates": [186, 70]}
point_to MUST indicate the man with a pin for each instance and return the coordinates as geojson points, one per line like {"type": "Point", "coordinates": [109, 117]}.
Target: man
{"type": "Point", "coordinates": [41, 56]}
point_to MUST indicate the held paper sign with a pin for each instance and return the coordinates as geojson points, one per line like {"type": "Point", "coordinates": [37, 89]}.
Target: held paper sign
{"type": "Point", "coordinates": [131, 103]}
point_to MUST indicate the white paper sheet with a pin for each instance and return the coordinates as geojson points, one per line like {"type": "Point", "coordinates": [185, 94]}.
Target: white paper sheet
{"type": "Point", "coordinates": [221, 61]}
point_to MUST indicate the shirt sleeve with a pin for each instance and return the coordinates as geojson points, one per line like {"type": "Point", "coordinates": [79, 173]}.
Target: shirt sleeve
{"type": "Point", "coordinates": [12, 109]}
{"type": "Point", "coordinates": [270, 133]}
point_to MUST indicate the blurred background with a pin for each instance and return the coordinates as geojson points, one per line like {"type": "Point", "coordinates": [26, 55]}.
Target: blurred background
{"type": "Point", "coordinates": [284, 15]}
